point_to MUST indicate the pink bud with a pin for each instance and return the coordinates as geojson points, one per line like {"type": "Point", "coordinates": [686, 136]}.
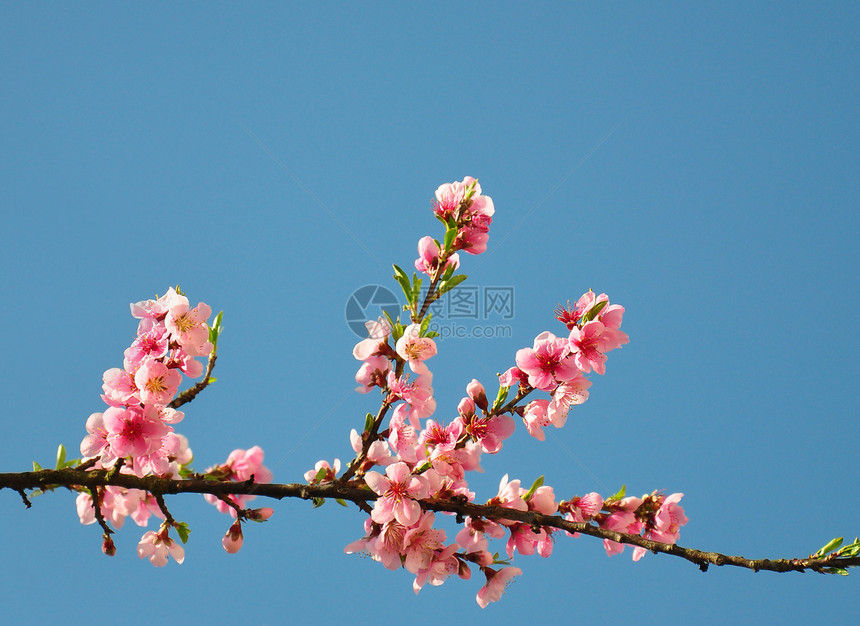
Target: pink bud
{"type": "Point", "coordinates": [260, 515]}
{"type": "Point", "coordinates": [476, 392]}
{"type": "Point", "coordinates": [232, 541]}
{"type": "Point", "coordinates": [466, 408]}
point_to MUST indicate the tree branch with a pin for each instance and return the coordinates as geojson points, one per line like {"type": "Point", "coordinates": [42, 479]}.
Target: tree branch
{"type": "Point", "coordinates": [357, 492]}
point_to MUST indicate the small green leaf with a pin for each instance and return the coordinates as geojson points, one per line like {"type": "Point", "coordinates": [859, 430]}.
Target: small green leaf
{"type": "Point", "coordinates": [500, 398]}
{"type": "Point", "coordinates": [403, 280]}
{"type": "Point", "coordinates": [341, 502]}
{"type": "Point", "coordinates": [617, 496]}
{"type": "Point", "coordinates": [535, 486]}
{"type": "Point", "coordinates": [452, 282]}
{"type": "Point", "coordinates": [593, 311]}
{"type": "Point", "coordinates": [836, 570]}
{"type": "Point", "coordinates": [61, 456]}
{"type": "Point", "coordinates": [36, 467]}
{"type": "Point", "coordinates": [318, 502]}
{"type": "Point", "coordinates": [215, 330]}
{"type": "Point", "coordinates": [368, 422]}
{"type": "Point", "coordinates": [416, 288]}
{"type": "Point", "coordinates": [182, 530]}
{"type": "Point", "coordinates": [829, 547]}
{"type": "Point", "coordinates": [450, 235]}
{"type": "Point", "coordinates": [431, 334]}
{"type": "Point", "coordinates": [425, 324]}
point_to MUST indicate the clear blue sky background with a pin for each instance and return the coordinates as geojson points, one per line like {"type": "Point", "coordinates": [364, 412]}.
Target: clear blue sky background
{"type": "Point", "coordinates": [698, 163]}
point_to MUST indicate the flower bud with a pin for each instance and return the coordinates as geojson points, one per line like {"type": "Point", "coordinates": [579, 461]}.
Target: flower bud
{"type": "Point", "coordinates": [232, 541]}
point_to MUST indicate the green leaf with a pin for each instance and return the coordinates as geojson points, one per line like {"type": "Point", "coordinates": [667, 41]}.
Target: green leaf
{"type": "Point", "coordinates": [61, 456]}
{"type": "Point", "coordinates": [318, 502]}
{"type": "Point", "coordinates": [535, 486]}
{"type": "Point", "coordinates": [182, 530]}
{"type": "Point", "coordinates": [617, 496]}
{"type": "Point", "coordinates": [829, 547]}
{"type": "Point", "coordinates": [341, 502]}
{"type": "Point", "coordinates": [416, 288]}
{"type": "Point", "coordinates": [321, 473]}
{"type": "Point", "coordinates": [593, 311]}
{"type": "Point", "coordinates": [368, 422]}
{"type": "Point", "coordinates": [431, 334]}
{"type": "Point", "coordinates": [403, 280]}
{"type": "Point", "coordinates": [36, 467]}
{"type": "Point", "coordinates": [452, 282]}
{"type": "Point", "coordinates": [450, 235]}
{"type": "Point", "coordinates": [425, 324]}
{"type": "Point", "coordinates": [500, 398]}
{"type": "Point", "coordinates": [215, 330]}
{"type": "Point", "coordinates": [836, 570]}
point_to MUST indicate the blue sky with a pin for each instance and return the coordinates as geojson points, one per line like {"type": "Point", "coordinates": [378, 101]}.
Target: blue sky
{"type": "Point", "coordinates": [697, 163]}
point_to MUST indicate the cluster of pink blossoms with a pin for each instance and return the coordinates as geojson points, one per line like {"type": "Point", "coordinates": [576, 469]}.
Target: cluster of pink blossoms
{"type": "Point", "coordinates": [427, 459]}
{"type": "Point", "coordinates": [136, 430]}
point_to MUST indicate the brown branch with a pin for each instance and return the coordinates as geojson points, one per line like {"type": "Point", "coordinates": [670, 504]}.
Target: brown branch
{"type": "Point", "coordinates": [355, 491]}
{"type": "Point", "coordinates": [189, 394]}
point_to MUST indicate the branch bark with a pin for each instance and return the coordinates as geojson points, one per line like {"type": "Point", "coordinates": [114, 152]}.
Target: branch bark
{"type": "Point", "coordinates": [357, 492]}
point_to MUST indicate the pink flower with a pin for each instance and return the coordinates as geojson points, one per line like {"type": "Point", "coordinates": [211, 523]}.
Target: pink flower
{"type": "Point", "coordinates": [133, 432]}
{"type": "Point", "coordinates": [95, 442]}
{"type": "Point", "coordinates": [399, 490]}
{"type": "Point", "coordinates": [119, 387]}
{"type": "Point", "coordinates": [188, 327]}
{"type": "Point", "coordinates": [510, 497]}
{"type": "Point", "coordinates": [463, 204]}
{"type": "Point", "coordinates": [590, 344]}
{"type": "Point", "coordinates": [157, 383]}
{"type": "Point", "coordinates": [429, 257]}
{"type": "Point", "coordinates": [535, 418]}
{"type": "Point", "coordinates": [372, 373]}
{"type": "Point", "coordinates": [421, 542]}
{"type": "Point", "coordinates": [413, 348]}
{"type": "Point", "coordinates": [622, 519]}
{"type": "Point", "coordinates": [566, 395]}
{"type": "Point", "coordinates": [497, 582]}
{"type": "Point", "coordinates": [476, 392]}
{"type": "Point", "coordinates": [322, 472]}
{"type": "Point", "coordinates": [513, 377]}
{"type": "Point", "coordinates": [152, 342]}
{"type": "Point", "coordinates": [241, 466]}
{"type": "Point", "coordinates": [548, 362]}
{"type": "Point", "coordinates": [377, 341]}
{"type": "Point", "coordinates": [157, 546]}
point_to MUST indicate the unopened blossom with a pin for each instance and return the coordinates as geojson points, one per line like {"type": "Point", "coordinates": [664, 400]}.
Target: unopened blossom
{"type": "Point", "coordinates": [157, 546]}
{"type": "Point", "coordinates": [548, 363]}
{"type": "Point", "coordinates": [232, 541]}
{"type": "Point", "coordinates": [399, 490]}
{"type": "Point", "coordinates": [497, 582]}
{"type": "Point", "coordinates": [96, 440]}
{"type": "Point", "coordinates": [476, 392]}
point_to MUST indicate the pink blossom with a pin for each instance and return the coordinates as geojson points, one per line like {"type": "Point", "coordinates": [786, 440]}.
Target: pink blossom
{"type": "Point", "coordinates": [623, 519]}
{"type": "Point", "coordinates": [399, 490]}
{"type": "Point", "coordinates": [536, 419]}
{"type": "Point", "coordinates": [413, 348]}
{"type": "Point", "coordinates": [421, 542]}
{"type": "Point", "coordinates": [377, 341]}
{"type": "Point", "coordinates": [513, 377]}
{"type": "Point", "coordinates": [378, 452]}
{"type": "Point", "coordinates": [583, 509]}
{"type": "Point", "coordinates": [119, 388]}
{"type": "Point", "coordinates": [157, 383]}
{"type": "Point", "coordinates": [543, 501]}
{"type": "Point", "coordinates": [241, 466]}
{"type": "Point", "coordinates": [96, 440]}
{"type": "Point", "coordinates": [152, 342]}
{"type": "Point", "coordinates": [548, 362]}
{"type": "Point", "coordinates": [156, 309]}
{"type": "Point", "coordinates": [463, 204]}
{"type": "Point", "coordinates": [372, 373]}
{"type": "Point", "coordinates": [488, 430]}
{"type": "Point", "coordinates": [510, 497]}
{"type": "Point", "coordinates": [133, 432]}
{"type": "Point", "coordinates": [567, 394]}
{"type": "Point", "coordinates": [497, 582]}
{"type": "Point", "coordinates": [443, 564]}
{"type": "Point", "coordinates": [429, 257]}
{"type": "Point", "coordinates": [157, 546]}
{"type": "Point", "coordinates": [188, 327]}
{"type": "Point", "coordinates": [590, 344]}
{"type": "Point", "coordinates": [329, 472]}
